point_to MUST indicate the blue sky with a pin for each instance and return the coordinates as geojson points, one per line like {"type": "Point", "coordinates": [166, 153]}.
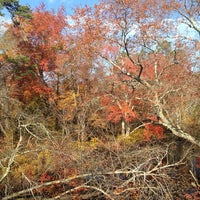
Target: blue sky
{"type": "Point", "coordinates": [55, 4]}
{"type": "Point", "coordinates": [50, 4]}
{"type": "Point", "coordinates": [70, 4]}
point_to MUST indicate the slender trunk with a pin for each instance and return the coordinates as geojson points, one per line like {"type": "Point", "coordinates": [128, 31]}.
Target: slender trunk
{"type": "Point", "coordinates": [127, 129]}
{"type": "Point", "coordinates": [57, 121]}
{"type": "Point", "coordinates": [123, 128]}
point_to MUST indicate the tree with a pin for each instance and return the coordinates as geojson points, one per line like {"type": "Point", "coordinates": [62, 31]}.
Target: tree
{"type": "Point", "coordinates": [153, 63]}
{"type": "Point", "coordinates": [37, 47]}
{"type": "Point", "coordinates": [79, 77]}
{"type": "Point", "coordinates": [119, 103]}
{"type": "Point", "coordinates": [15, 9]}
{"type": "Point", "coordinates": [140, 48]}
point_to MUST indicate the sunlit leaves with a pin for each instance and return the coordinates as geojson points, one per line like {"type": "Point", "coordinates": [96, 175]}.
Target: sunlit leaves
{"type": "Point", "coordinates": [118, 105]}
{"type": "Point", "coordinates": [67, 103]}
{"type": "Point", "coordinates": [152, 130]}
{"type": "Point", "coordinates": [118, 112]}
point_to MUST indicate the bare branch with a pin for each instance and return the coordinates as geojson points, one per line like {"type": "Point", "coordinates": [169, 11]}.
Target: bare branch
{"type": "Point", "coordinates": [135, 173]}
{"type": "Point", "coordinates": [11, 160]}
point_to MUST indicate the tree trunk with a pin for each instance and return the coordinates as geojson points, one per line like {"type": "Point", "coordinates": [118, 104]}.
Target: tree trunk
{"type": "Point", "coordinates": [123, 128]}
{"type": "Point", "coordinates": [175, 130]}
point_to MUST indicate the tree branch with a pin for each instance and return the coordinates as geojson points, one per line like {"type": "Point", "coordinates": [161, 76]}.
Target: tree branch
{"type": "Point", "coordinates": [11, 160]}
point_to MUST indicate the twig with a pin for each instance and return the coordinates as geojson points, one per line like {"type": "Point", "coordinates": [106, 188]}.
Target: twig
{"type": "Point", "coordinates": [195, 179]}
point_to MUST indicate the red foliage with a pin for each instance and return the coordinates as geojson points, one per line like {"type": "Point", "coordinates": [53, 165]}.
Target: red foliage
{"type": "Point", "coordinates": [45, 177]}
{"type": "Point", "coordinates": [40, 41]}
{"type": "Point", "coordinates": [193, 196]}
{"type": "Point", "coordinates": [118, 111]}
{"type": "Point", "coordinates": [153, 130]}
{"type": "Point", "coordinates": [27, 88]}
{"type": "Point", "coordinates": [58, 188]}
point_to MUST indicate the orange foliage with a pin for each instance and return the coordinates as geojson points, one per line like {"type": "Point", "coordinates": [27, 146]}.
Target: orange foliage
{"type": "Point", "coordinates": [117, 113]}
{"type": "Point", "coordinates": [153, 130]}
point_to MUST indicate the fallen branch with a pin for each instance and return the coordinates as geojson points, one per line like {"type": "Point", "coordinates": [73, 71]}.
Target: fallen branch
{"type": "Point", "coordinates": [136, 173]}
